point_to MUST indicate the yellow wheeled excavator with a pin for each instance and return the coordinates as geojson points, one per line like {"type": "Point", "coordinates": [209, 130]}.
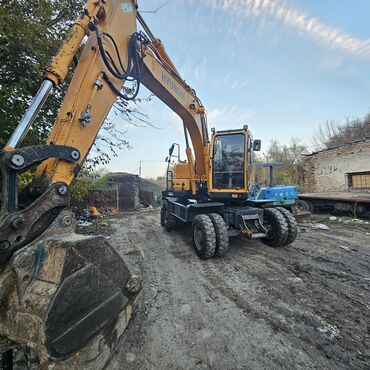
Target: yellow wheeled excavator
{"type": "Point", "coordinates": [66, 298]}
{"type": "Point", "coordinates": [220, 198]}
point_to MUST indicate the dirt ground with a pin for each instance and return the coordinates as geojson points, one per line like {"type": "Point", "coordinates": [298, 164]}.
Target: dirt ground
{"type": "Point", "coordinates": [304, 306]}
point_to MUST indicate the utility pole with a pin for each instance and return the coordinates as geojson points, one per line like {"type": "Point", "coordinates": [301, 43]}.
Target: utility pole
{"type": "Point", "coordinates": [146, 161]}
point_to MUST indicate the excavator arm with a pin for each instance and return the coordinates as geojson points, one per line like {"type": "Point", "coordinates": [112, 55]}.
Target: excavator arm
{"type": "Point", "coordinates": [93, 89]}
{"type": "Point", "coordinates": [113, 53]}
{"type": "Point", "coordinates": [65, 294]}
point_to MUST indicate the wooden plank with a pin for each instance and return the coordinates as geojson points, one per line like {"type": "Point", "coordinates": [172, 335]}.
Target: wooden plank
{"type": "Point", "coordinates": [362, 197]}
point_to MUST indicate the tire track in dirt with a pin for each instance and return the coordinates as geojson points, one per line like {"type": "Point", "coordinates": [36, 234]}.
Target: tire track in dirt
{"type": "Point", "coordinates": [219, 277]}
{"type": "Point", "coordinates": [256, 308]}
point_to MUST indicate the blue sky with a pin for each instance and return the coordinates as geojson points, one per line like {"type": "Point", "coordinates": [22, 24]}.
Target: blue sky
{"type": "Point", "coordinates": [280, 66]}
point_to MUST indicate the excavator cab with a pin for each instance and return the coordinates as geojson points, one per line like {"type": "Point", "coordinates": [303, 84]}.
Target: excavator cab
{"type": "Point", "coordinates": [229, 158]}
{"type": "Point", "coordinates": [230, 164]}
{"type": "Point", "coordinates": [231, 154]}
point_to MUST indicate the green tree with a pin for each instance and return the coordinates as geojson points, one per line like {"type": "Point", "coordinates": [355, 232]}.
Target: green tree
{"type": "Point", "coordinates": [31, 31]}
{"type": "Point", "coordinates": [291, 172]}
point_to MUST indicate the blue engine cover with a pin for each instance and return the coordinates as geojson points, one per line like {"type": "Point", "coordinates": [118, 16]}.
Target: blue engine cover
{"type": "Point", "coordinates": [276, 193]}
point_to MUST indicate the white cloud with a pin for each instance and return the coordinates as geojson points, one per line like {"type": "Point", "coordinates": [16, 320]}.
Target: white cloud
{"type": "Point", "coordinates": [280, 10]}
{"type": "Point", "coordinates": [331, 64]}
{"type": "Point", "coordinates": [229, 117]}
{"type": "Point", "coordinates": [194, 70]}
{"type": "Point", "coordinates": [238, 85]}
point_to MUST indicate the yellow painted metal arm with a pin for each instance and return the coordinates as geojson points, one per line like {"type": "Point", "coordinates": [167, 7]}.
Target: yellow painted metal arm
{"type": "Point", "coordinates": [89, 97]}
{"type": "Point", "coordinates": [58, 68]}
{"type": "Point", "coordinates": [177, 95]}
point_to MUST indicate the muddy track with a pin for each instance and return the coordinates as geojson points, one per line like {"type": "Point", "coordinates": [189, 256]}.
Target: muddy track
{"type": "Point", "coordinates": [305, 306]}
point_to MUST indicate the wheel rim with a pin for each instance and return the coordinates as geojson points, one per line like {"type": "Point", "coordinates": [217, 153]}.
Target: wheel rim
{"type": "Point", "coordinates": [198, 237]}
{"type": "Point", "coordinates": [271, 228]}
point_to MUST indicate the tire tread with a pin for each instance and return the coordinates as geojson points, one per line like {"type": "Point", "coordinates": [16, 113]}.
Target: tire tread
{"type": "Point", "coordinates": [292, 225]}
{"type": "Point", "coordinates": [209, 246]}
{"type": "Point", "coordinates": [222, 235]}
{"type": "Point", "coordinates": [280, 239]}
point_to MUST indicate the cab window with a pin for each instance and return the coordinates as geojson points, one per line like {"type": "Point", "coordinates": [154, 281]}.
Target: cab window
{"type": "Point", "coordinates": [228, 161]}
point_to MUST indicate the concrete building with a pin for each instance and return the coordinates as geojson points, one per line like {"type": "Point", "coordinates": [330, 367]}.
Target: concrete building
{"type": "Point", "coordinates": [125, 192]}
{"type": "Point", "coordinates": [127, 187]}
{"type": "Point", "coordinates": [344, 168]}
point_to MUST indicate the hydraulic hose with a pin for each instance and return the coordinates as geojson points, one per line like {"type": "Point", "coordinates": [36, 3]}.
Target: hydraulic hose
{"type": "Point", "coordinates": [134, 62]}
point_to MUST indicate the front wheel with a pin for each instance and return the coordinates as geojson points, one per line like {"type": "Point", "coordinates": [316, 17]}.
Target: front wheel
{"type": "Point", "coordinates": [204, 236]}
{"type": "Point", "coordinates": [276, 226]}
{"type": "Point", "coordinates": [222, 235]}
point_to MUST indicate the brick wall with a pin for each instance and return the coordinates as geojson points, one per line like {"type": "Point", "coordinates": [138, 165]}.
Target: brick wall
{"type": "Point", "coordinates": [327, 170]}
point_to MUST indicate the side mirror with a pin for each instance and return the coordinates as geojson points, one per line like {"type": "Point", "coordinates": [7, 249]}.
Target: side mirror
{"type": "Point", "coordinates": [170, 151]}
{"type": "Point", "coordinates": [166, 160]}
{"type": "Point", "coordinates": [256, 145]}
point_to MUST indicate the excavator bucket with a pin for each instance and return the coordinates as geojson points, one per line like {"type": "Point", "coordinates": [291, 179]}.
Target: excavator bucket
{"type": "Point", "coordinates": [65, 298]}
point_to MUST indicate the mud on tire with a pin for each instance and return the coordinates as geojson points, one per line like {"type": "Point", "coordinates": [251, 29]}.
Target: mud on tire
{"type": "Point", "coordinates": [277, 228]}
{"type": "Point", "coordinates": [168, 221]}
{"type": "Point", "coordinates": [292, 225]}
{"type": "Point", "coordinates": [222, 235]}
{"type": "Point", "coordinates": [204, 236]}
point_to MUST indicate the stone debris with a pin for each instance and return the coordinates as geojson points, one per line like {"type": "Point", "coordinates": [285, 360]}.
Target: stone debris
{"type": "Point", "coordinates": [318, 226]}
{"type": "Point", "coordinates": [329, 329]}
{"type": "Point", "coordinates": [350, 221]}
{"type": "Point", "coordinates": [82, 223]}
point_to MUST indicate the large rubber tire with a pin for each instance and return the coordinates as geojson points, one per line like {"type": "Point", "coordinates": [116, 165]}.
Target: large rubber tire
{"type": "Point", "coordinates": [162, 215]}
{"type": "Point", "coordinates": [277, 228]}
{"type": "Point", "coordinates": [292, 225]}
{"type": "Point", "coordinates": [222, 235]}
{"type": "Point", "coordinates": [168, 221]}
{"type": "Point", "coordinates": [204, 236]}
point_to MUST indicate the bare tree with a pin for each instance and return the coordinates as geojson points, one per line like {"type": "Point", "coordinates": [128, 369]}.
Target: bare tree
{"type": "Point", "coordinates": [291, 172]}
{"type": "Point", "coordinates": [330, 135]}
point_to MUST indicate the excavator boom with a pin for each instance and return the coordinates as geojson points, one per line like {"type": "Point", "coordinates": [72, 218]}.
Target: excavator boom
{"type": "Point", "coordinates": [69, 297]}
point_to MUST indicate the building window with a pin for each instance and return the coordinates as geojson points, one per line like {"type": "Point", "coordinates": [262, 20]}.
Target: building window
{"type": "Point", "coordinates": [359, 181]}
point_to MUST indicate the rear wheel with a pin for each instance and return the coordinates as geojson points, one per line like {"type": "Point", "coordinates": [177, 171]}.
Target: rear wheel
{"type": "Point", "coordinates": [276, 226]}
{"type": "Point", "coordinates": [292, 225]}
{"type": "Point", "coordinates": [222, 235]}
{"type": "Point", "coordinates": [303, 206]}
{"type": "Point", "coordinates": [204, 236]}
{"type": "Point", "coordinates": [168, 221]}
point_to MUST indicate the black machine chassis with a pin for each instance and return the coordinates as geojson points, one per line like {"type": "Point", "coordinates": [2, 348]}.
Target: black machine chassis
{"type": "Point", "coordinates": [239, 213]}
{"type": "Point", "coordinates": [234, 215]}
